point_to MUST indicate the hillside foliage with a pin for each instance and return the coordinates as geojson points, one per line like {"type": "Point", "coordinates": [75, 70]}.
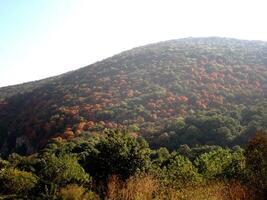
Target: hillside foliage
{"type": "Point", "coordinates": [207, 91]}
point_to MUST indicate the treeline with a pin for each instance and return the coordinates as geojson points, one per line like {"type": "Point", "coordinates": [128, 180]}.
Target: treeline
{"type": "Point", "coordinates": [116, 165]}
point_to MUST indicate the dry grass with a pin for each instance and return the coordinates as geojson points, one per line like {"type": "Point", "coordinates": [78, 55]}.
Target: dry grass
{"type": "Point", "coordinates": [135, 188]}
{"type": "Point", "coordinates": [212, 191]}
{"type": "Point", "coordinates": [149, 188]}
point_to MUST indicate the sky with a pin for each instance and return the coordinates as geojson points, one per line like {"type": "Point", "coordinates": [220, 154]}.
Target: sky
{"type": "Point", "coordinates": [43, 38]}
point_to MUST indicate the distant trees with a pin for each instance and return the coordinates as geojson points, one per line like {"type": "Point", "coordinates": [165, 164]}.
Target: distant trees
{"type": "Point", "coordinates": [212, 129]}
{"type": "Point", "coordinates": [204, 128]}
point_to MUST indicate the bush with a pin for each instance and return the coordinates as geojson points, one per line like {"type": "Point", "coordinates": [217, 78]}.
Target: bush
{"type": "Point", "coordinates": [75, 192]}
{"type": "Point", "coordinates": [14, 181]}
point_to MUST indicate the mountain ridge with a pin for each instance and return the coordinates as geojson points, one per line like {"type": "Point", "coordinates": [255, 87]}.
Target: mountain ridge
{"type": "Point", "coordinates": [171, 40]}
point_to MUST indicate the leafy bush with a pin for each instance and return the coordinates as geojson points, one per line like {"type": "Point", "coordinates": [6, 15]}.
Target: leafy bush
{"type": "Point", "coordinates": [75, 192]}
{"type": "Point", "coordinates": [14, 181]}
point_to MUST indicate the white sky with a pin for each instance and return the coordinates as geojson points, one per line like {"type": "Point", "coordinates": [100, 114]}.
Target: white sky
{"type": "Point", "coordinates": [56, 36]}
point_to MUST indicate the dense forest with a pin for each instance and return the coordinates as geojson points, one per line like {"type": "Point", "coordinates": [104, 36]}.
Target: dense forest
{"type": "Point", "coordinates": [195, 91]}
{"type": "Point", "coordinates": [184, 119]}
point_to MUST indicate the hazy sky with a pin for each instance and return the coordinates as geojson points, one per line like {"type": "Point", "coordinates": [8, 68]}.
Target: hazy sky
{"type": "Point", "coordinates": [41, 38]}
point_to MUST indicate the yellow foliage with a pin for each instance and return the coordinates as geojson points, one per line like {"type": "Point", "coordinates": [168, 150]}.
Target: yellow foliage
{"type": "Point", "coordinates": [75, 192]}
{"type": "Point", "coordinates": [147, 187]}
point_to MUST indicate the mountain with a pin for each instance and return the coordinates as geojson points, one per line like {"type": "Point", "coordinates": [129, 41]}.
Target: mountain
{"type": "Point", "coordinates": [193, 90]}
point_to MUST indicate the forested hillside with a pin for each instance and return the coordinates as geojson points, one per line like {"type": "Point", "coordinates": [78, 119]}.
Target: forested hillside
{"type": "Point", "coordinates": [195, 91]}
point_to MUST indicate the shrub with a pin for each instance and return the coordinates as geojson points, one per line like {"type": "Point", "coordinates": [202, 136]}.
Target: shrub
{"type": "Point", "coordinates": [14, 181]}
{"type": "Point", "coordinates": [75, 192]}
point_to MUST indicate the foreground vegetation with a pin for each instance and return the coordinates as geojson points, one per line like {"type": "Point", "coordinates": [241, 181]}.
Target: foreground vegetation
{"type": "Point", "coordinates": [117, 166]}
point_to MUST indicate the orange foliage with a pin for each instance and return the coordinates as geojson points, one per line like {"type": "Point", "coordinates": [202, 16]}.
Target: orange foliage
{"type": "Point", "coordinates": [81, 126]}
{"type": "Point", "coordinates": [69, 134]}
{"type": "Point", "coordinates": [171, 99]}
{"type": "Point", "coordinates": [183, 98]}
{"type": "Point", "coordinates": [89, 124]}
{"type": "Point", "coordinates": [130, 93]}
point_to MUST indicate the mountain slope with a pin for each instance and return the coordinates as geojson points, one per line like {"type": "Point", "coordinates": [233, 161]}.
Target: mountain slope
{"type": "Point", "coordinates": [144, 89]}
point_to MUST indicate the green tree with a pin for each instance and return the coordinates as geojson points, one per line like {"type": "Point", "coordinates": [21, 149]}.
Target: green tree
{"type": "Point", "coordinates": [236, 168]}
{"type": "Point", "coordinates": [180, 171]}
{"type": "Point", "coordinates": [160, 157]}
{"type": "Point", "coordinates": [117, 153]}
{"type": "Point", "coordinates": [63, 170]}
{"type": "Point", "coordinates": [220, 163]}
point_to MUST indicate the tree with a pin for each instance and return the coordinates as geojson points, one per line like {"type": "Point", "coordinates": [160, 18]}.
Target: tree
{"type": "Point", "coordinates": [256, 162]}
{"type": "Point", "coordinates": [160, 157]}
{"type": "Point", "coordinates": [220, 163]}
{"type": "Point", "coordinates": [63, 170]}
{"type": "Point", "coordinates": [117, 153]}
{"type": "Point", "coordinates": [236, 169]}
{"type": "Point", "coordinates": [181, 171]}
